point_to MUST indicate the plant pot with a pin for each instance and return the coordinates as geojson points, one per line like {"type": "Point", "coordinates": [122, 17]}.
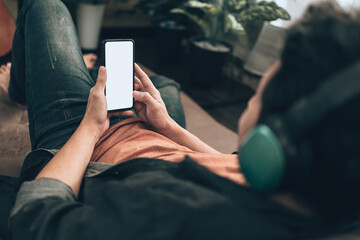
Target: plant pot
{"type": "Point", "coordinates": [253, 30]}
{"type": "Point", "coordinates": [89, 21]}
{"type": "Point", "coordinates": [206, 61]}
{"type": "Point", "coordinates": [169, 37]}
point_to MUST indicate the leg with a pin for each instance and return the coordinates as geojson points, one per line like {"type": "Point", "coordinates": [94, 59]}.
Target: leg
{"type": "Point", "coordinates": [48, 69]}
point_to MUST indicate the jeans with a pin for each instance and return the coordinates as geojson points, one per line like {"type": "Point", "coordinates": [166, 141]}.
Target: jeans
{"type": "Point", "coordinates": [49, 75]}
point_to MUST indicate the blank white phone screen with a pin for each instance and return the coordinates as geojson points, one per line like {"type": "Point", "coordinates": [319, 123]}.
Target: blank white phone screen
{"type": "Point", "coordinates": [119, 63]}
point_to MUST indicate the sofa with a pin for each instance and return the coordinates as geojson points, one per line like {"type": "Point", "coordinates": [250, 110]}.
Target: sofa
{"type": "Point", "coordinates": [15, 142]}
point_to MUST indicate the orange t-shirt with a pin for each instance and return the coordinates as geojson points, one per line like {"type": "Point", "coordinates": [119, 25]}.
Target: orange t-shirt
{"type": "Point", "coordinates": [131, 138]}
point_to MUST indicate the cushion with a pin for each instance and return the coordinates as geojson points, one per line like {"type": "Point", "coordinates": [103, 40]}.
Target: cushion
{"type": "Point", "coordinates": [14, 136]}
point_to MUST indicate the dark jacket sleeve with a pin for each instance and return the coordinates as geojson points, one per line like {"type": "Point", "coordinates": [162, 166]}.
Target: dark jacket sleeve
{"type": "Point", "coordinates": [46, 209]}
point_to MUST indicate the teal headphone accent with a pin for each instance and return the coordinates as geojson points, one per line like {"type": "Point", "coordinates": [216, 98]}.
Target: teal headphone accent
{"type": "Point", "coordinates": [277, 153]}
{"type": "Point", "coordinates": [266, 168]}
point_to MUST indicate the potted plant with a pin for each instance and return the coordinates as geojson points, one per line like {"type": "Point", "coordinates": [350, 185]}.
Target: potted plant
{"type": "Point", "coordinates": [89, 20]}
{"type": "Point", "coordinates": [170, 31]}
{"type": "Point", "coordinates": [251, 14]}
{"type": "Point", "coordinates": [215, 20]}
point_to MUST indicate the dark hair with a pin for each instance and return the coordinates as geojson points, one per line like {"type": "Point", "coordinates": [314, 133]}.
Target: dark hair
{"type": "Point", "coordinates": [324, 41]}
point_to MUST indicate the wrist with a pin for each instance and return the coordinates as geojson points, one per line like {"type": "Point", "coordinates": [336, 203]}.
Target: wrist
{"type": "Point", "coordinates": [172, 129]}
{"type": "Point", "coordinates": [91, 128]}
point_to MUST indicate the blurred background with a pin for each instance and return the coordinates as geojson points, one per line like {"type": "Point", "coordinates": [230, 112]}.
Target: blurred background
{"type": "Point", "coordinates": [216, 49]}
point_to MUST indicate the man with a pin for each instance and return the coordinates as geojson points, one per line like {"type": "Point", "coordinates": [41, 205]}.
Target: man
{"type": "Point", "coordinates": [87, 179]}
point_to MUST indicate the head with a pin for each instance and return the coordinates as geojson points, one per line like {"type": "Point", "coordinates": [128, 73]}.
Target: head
{"type": "Point", "coordinates": [325, 41]}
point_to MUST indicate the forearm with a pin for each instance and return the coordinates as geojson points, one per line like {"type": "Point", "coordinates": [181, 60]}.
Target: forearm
{"type": "Point", "coordinates": [150, 106]}
{"type": "Point", "coordinates": [70, 163]}
{"type": "Point", "coordinates": [187, 139]}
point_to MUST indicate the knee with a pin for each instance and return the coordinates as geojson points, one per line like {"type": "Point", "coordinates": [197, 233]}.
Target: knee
{"type": "Point", "coordinates": [45, 5]}
{"type": "Point", "coordinates": [42, 11]}
{"type": "Point", "coordinates": [162, 82]}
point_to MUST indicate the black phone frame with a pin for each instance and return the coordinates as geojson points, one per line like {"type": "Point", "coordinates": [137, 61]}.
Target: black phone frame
{"type": "Point", "coordinates": [103, 63]}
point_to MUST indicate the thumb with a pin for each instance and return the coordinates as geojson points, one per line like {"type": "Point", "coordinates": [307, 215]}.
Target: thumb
{"type": "Point", "coordinates": [101, 79]}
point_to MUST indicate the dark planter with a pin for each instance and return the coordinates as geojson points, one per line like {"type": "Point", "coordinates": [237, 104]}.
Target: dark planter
{"type": "Point", "coordinates": [170, 35]}
{"type": "Point", "coordinates": [206, 64]}
{"type": "Point", "coordinates": [253, 30]}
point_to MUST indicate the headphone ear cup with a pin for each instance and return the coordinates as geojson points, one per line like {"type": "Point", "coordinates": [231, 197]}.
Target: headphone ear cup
{"type": "Point", "coordinates": [262, 159]}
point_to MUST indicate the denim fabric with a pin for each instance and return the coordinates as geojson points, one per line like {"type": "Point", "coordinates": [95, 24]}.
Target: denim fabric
{"type": "Point", "coordinates": [48, 67]}
{"type": "Point", "coordinates": [49, 75]}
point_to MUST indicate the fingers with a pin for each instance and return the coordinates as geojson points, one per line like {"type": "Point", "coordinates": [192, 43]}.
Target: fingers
{"type": "Point", "coordinates": [139, 107]}
{"type": "Point", "coordinates": [126, 113]}
{"type": "Point", "coordinates": [146, 82]}
{"type": "Point", "coordinates": [138, 82]}
{"type": "Point", "coordinates": [143, 77]}
{"type": "Point", "coordinates": [137, 87]}
{"type": "Point", "coordinates": [144, 97]}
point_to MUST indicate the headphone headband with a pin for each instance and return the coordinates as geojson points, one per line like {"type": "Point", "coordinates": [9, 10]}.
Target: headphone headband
{"type": "Point", "coordinates": [271, 156]}
{"type": "Point", "coordinates": [336, 91]}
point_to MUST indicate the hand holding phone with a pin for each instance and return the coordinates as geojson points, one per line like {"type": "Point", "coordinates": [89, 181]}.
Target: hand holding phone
{"type": "Point", "coordinates": [149, 104]}
{"type": "Point", "coordinates": [118, 55]}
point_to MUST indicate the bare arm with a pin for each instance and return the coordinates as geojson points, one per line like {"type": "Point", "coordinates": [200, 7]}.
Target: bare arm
{"type": "Point", "coordinates": [70, 163]}
{"type": "Point", "coordinates": [187, 139]}
{"type": "Point", "coordinates": [150, 106]}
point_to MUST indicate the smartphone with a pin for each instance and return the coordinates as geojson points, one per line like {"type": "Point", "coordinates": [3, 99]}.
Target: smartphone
{"type": "Point", "coordinates": [118, 58]}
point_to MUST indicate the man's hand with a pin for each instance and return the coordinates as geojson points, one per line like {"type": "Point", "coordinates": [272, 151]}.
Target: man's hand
{"type": "Point", "coordinates": [96, 114]}
{"type": "Point", "coordinates": [150, 107]}
{"type": "Point", "coordinates": [149, 104]}
{"type": "Point", "coordinates": [70, 163]}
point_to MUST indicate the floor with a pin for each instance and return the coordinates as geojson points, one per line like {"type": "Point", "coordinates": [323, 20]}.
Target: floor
{"type": "Point", "coordinates": [225, 100]}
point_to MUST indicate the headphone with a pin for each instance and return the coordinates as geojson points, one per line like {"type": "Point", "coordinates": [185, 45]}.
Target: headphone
{"type": "Point", "coordinates": [277, 153]}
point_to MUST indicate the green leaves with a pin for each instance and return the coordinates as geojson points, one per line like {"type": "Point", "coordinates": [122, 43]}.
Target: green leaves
{"type": "Point", "coordinates": [233, 26]}
{"type": "Point", "coordinates": [200, 22]}
{"type": "Point", "coordinates": [262, 11]}
{"type": "Point", "coordinates": [204, 15]}
{"type": "Point", "coordinates": [207, 8]}
{"type": "Point", "coordinates": [237, 5]}
{"type": "Point", "coordinates": [229, 16]}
